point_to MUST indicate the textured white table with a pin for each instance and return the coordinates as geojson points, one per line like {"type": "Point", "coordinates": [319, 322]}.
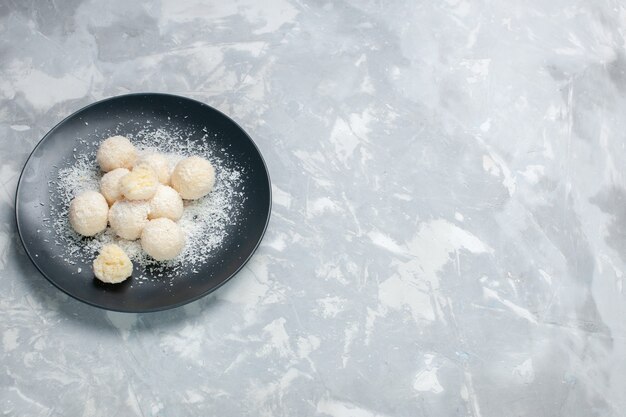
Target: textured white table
{"type": "Point", "coordinates": [449, 227]}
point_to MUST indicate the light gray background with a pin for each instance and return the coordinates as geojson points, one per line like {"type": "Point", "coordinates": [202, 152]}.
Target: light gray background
{"type": "Point", "coordinates": [448, 235]}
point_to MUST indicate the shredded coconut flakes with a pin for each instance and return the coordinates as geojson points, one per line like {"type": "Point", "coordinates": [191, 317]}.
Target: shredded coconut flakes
{"type": "Point", "coordinates": [205, 221]}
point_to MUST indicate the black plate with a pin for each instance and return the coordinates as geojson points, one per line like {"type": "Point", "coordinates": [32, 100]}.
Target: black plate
{"type": "Point", "coordinates": [125, 114]}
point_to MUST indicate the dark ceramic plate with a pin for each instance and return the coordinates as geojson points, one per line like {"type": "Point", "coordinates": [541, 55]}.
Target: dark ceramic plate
{"type": "Point", "coordinates": [128, 114]}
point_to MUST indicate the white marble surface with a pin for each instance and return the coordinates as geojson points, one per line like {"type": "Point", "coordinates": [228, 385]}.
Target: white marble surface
{"type": "Point", "coordinates": [449, 227]}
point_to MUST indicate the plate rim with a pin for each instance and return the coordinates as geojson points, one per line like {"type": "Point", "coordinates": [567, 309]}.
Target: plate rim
{"type": "Point", "coordinates": [168, 306]}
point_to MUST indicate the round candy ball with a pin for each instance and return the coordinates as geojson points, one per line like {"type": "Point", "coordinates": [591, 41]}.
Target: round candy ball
{"type": "Point", "coordinates": [112, 265]}
{"type": "Point", "coordinates": [116, 152]}
{"type": "Point", "coordinates": [128, 218]}
{"type": "Point", "coordinates": [162, 239]}
{"type": "Point", "coordinates": [140, 184]}
{"type": "Point", "coordinates": [88, 213]}
{"type": "Point", "coordinates": [193, 178]}
{"type": "Point", "coordinates": [160, 166]}
{"type": "Point", "coordinates": [166, 203]}
{"type": "Point", "coordinates": [110, 186]}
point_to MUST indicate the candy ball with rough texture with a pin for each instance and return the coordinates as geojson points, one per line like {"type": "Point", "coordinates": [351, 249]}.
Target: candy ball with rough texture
{"type": "Point", "coordinates": [162, 239]}
{"type": "Point", "coordinates": [110, 184]}
{"type": "Point", "coordinates": [166, 203]}
{"type": "Point", "coordinates": [193, 178]}
{"type": "Point", "coordinates": [88, 213]}
{"type": "Point", "coordinates": [159, 164]}
{"type": "Point", "coordinates": [140, 184]}
{"type": "Point", "coordinates": [112, 265]}
{"type": "Point", "coordinates": [116, 152]}
{"type": "Point", "coordinates": [128, 218]}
